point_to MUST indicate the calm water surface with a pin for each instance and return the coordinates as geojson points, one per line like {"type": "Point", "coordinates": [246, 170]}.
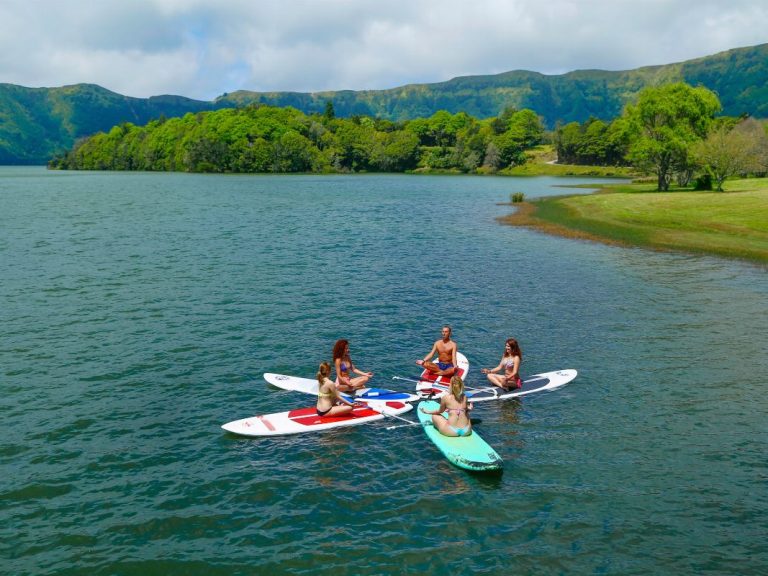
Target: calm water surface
{"type": "Point", "coordinates": [138, 312]}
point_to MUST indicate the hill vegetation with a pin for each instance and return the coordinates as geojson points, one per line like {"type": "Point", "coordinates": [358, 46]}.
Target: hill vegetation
{"type": "Point", "coordinates": [37, 123]}
{"type": "Point", "coordinates": [261, 138]}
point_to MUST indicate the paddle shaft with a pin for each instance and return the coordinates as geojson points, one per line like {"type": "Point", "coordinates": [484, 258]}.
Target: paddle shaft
{"type": "Point", "coordinates": [385, 413]}
{"type": "Point", "coordinates": [439, 384]}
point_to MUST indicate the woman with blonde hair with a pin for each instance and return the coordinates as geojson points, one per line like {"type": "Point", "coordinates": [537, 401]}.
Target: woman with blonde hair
{"type": "Point", "coordinates": [510, 362]}
{"type": "Point", "coordinates": [329, 403]}
{"type": "Point", "coordinates": [456, 404]}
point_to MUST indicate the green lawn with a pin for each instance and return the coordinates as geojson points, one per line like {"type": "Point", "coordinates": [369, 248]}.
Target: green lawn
{"type": "Point", "coordinates": [732, 223]}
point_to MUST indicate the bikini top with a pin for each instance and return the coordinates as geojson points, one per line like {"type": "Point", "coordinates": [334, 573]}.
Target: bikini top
{"type": "Point", "coordinates": [458, 410]}
{"type": "Point", "coordinates": [510, 363]}
{"type": "Point", "coordinates": [325, 394]}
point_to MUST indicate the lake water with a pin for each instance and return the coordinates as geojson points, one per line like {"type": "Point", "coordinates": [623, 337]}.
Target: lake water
{"type": "Point", "coordinates": [138, 312]}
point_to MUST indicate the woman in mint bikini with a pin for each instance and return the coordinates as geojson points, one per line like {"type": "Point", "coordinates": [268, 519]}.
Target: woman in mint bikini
{"type": "Point", "coordinates": [458, 407]}
{"type": "Point", "coordinates": [344, 369]}
{"type": "Point", "coordinates": [510, 362]}
{"type": "Point", "coordinates": [329, 403]}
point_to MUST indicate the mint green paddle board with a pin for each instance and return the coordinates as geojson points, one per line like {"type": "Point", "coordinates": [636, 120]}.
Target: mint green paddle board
{"type": "Point", "coordinates": [468, 452]}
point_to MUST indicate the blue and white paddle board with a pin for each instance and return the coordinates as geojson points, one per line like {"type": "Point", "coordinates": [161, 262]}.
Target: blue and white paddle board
{"type": "Point", "coordinates": [310, 386]}
{"type": "Point", "coordinates": [537, 383]}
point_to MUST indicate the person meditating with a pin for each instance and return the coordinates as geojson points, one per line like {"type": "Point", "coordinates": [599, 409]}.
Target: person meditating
{"type": "Point", "coordinates": [456, 404]}
{"type": "Point", "coordinates": [446, 349]}
{"type": "Point", "coordinates": [510, 363]}
{"type": "Point", "coordinates": [329, 403]}
{"type": "Point", "coordinates": [345, 381]}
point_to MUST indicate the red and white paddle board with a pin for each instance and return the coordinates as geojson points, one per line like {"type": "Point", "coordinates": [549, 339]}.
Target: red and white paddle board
{"type": "Point", "coordinates": [307, 420]}
{"type": "Point", "coordinates": [427, 378]}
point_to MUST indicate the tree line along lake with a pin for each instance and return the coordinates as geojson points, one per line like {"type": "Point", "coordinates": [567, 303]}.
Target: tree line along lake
{"type": "Point", "coordinates": [139, 311]}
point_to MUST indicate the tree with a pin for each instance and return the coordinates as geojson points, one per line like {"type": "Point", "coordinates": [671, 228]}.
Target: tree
{"type": "Point", "coordinates": [527, 128]}
{"type": "Point", "coordinates": [727, 152]}
{"type": "Point", "coordinates": [329, 113]}
{"type": "Point", "coordinates": [664, 123]}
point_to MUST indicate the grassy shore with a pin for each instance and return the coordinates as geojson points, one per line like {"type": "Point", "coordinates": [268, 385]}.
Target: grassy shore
{"type": "Point", "coordinates": [541, 162]}
{"type": "Point", "coordinates": [732, 223]}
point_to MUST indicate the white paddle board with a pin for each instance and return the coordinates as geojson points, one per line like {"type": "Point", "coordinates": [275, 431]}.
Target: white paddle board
{"type": "Point", "coordinates": [537, 383]}
{"type": "Point", "coordinates": [310, 386]}
{"type": "Point", "coordinates": [307, 420]}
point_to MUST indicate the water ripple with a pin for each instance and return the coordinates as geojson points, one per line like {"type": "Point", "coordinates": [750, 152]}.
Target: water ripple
{"type": "Point", "coordinates": [140, 311]}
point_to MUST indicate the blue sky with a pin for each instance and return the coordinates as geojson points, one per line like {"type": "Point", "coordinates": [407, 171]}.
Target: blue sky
{"type": "Point", "coordinates": [202, 49]}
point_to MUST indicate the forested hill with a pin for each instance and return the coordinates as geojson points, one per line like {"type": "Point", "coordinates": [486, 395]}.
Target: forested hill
{"type": "Point", "coordinates": [739, 77]}
{"type": "Point", "coordinates": [36, 123]}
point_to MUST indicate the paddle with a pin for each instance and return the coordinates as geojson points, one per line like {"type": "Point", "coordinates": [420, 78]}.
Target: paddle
{"type": "Point", "coordinates": [443, 385]}
{"type": "Point", "coordinates": [384, 412]}
{"type": "Point", "coordinates": [403, 425]}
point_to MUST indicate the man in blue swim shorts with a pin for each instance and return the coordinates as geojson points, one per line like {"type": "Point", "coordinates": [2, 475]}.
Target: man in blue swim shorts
{"type": "Point", "coordinates": [445, 348]}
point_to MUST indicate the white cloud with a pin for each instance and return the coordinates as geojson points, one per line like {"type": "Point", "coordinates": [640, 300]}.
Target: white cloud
{"type": "Point", "coordinates": [201, 49]}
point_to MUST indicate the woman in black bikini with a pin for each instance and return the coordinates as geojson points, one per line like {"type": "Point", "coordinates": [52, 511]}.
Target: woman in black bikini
{"type": "Point", "coordinates": [345, 368]}
{"type": "Point", "coordinates": [329, 403]}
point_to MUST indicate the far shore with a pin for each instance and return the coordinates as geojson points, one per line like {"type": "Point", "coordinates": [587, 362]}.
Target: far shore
{"type": "Point", "coordinates": [732, 224]}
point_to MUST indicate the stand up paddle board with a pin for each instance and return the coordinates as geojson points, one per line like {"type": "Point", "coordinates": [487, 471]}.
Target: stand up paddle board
{"type": "Point", "coordinates": [468, 452]}
{"type": "Point", "coordinates": [537, 383]}
{"type": "Point", "coordinates": [310, 386]}
{"type": "Point", "coordinates": [307, 420]}
{"type": "Point", "coordinates": [428, 377]}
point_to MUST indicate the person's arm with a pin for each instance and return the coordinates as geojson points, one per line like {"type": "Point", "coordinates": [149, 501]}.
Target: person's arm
{"type": "Point", "coordinates": [454, 359]}
{"type": "Point", "coordinates": [338, 397]}
{"type": "Point", "coordinates": [493, 370]}
{"type": "Point", "coordinates": [440, 409]}
{"type": "Point", "coordinates": [356, 370]}
{"type": "Point", "coordinates": [431, 354]}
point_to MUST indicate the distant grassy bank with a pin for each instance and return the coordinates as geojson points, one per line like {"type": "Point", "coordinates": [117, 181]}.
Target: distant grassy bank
{"type": "Point", "coordinates": [732, 224]}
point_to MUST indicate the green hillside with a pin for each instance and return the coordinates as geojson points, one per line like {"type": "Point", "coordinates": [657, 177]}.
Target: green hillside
{"type": "Point", "coordinates": [36, 123]}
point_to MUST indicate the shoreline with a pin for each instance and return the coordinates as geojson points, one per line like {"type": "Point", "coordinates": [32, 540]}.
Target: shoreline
{"type": "Point", "coordinates": [726, 225]}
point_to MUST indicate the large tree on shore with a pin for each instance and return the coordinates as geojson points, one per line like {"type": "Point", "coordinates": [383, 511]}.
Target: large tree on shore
{"type": "Point", "coordinates": [663, 125]}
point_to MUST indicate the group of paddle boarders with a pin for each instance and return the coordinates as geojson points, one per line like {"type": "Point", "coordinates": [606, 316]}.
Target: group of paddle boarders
{"type": "Point", "coordinates": [455, 403]}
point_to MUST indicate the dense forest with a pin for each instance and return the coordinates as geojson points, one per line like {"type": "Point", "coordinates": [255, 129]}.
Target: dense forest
{"type": "Point", "coordinates": [36, 123]}
{"type": "Point", "coordinates": [260, 138]}
{"type": "Point", "coordinates": [672, 131]}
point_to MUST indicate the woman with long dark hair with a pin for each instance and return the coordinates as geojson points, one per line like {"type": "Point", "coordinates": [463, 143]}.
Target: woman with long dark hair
{"type": "Point", "coordinates": [345, 369]}
{"type": "Point", "coordinates": [510, 363]}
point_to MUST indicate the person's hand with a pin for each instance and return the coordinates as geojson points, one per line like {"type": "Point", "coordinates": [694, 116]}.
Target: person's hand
{"type": "Point", "coordinates": [420, 362]}
{"type": "Point", "coordinates": [484, 370]}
